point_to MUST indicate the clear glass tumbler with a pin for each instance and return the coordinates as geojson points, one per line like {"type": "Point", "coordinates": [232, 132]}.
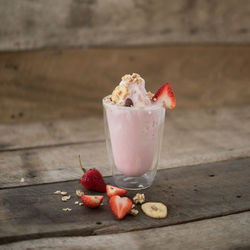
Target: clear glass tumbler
{"type": "Point", "coordinates": [133, 139]}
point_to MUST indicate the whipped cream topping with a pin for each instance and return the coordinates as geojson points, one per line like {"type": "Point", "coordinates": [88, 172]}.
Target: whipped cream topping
{"type": "Point", "coordinates": [133, 87]}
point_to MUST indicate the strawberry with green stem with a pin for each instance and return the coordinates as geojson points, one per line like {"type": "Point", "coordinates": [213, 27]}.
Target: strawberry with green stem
{"type": "Point", "coordinates": [92, 179]}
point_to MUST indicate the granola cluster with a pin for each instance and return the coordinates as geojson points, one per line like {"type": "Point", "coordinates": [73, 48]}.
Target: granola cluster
{"type": "Point", "coordinates": [128, 79]}
{"type": "Point", "coordinates": [121, 95]}
{"type": "Point", "coordinates": [139, 198]}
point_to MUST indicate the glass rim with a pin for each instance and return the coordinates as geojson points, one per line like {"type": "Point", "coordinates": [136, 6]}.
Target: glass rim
{"type": "Point", "coordinates": [153, 107]}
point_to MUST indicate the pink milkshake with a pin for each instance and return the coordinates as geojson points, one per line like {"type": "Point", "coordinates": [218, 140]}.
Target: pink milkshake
{"type": "Point", "coordinates": [134, 124]}
{"type": "Point", "coordinates": [134, 137]}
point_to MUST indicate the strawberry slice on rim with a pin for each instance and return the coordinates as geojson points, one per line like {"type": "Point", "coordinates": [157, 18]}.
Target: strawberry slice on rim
{"type": "Point", "coordinates": [120, 206]}
{"type": "Point", "coordinates": [92, 201]}
{"type": "Point", "coordinates": [113, 190]}
{"type": "Point", "coordinates": [165, 96]}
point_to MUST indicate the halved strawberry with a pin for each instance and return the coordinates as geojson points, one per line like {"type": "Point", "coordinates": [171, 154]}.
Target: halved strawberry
{"type": "Point", "coordinates": [165, 96]}
{"type": "Point", "coordinates": [113, 190]}
{"type": "Point", "coordinates": [92, 201]}
{"type": "Point", "coordinates": [120, 206]}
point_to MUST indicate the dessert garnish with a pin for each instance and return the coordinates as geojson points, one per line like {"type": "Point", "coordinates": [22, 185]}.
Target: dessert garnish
{"type": "Point", "coordinates": [92, 179]}
{"type": "Point", "coordinates": [66, 209]}
{"type": "Point", "coordinates": [120, 206]}
{"type": "Point", "coordinates": [128, 102]}
{"type": "Point", "coordinates": [79, 193]}
{"type": "Point", "coordinates": [134, 211]}
{"type": "Point", "coordinates": [66, 198]}
{"type": "Point", "coordinates": [139, 198]}
{"type": "Point", "coordinates": [131, 92]}
{"type": "Point", "coordinates": [119, 94]}
{"type": "Point", "coordinates": [92, 201]}
{"type": "Point", "coordinates": [113, 190]}
{"type": "Point", "coordinates": [154, 210]}
{"type": "Point", "coordinates": [165, 96]}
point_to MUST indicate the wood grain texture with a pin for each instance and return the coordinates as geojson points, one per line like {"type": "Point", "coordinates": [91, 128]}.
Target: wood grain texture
{"type": "Point", "coordinates": [44, 85]}
{"type": "Point", "coordinates": [223, 233]}
{"type": "Point", "coordinates": [51, 164]}
{"type": "Point", "coordinates": [61, 23]}
{"type": "Point", "coordinates": [51, 133]}
{"type": "Point", "coordinates": [194, 125]}
{"type": "Point", "coordinates": [47, 152]}
{"type": "Point", "coordinates": [194, 193]}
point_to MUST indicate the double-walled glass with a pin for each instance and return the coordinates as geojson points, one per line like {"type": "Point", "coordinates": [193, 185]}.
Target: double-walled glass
{"type": "Point", "coordinates": [133, 139]}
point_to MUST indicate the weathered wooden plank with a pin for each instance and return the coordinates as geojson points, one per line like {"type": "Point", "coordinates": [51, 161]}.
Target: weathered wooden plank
{"type": "Point", "coordinates": [193, 193]}
{"type": "Point", "coordinates": [44, 85]}
{"type": "Point", "coordinates": [51, 164]}
{"type": "Point", "coordinates": [223, 233]}
{"type": "Point", "coordinates": [62, 23]}
{"type": "Point", "coordinates": [191, 137]}
{"type": "Point", "coordinates": [51, 133]}
{"type": "Point", "coordinates": [193, 125]}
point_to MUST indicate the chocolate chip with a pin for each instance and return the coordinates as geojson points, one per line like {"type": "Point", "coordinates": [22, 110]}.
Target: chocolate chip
{"type": "Point", "coordinates": [128, 102]}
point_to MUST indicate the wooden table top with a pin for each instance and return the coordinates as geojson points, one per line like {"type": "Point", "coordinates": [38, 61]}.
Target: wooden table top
{"type": "Point", "coordinates": [203, 178]}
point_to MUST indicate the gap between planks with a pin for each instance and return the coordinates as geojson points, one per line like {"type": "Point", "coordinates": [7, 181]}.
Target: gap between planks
{"type": "Point", "coordinates": [63, 132]}
{"type": "Point", "coordinates": [212, 236]}
{"type": "Point", "coordinates": [54, 84]}
{"type": "Point", "coordinates": [89, 23]}
{"type": "Point", "coordinates": [191, 137]}
{"type": "Point", "coordinates": [191, 194]}
{"type": "Point", "coordinates": [51, 145]}
{"type": "Point", "coordinates": [109, 176]}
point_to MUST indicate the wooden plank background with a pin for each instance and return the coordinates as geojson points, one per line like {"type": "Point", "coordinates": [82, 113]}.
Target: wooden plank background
{"type": "Point", "coordinates": [47, 152]}
{"type": "Point", "coordinates": [223, 233]}
{"type": "Point", "coordinates": [43, 85]}
{"type": "Point", "coordinates": [82, 23]}
{"type": "Point", "coordinates": [211, 122]}
{"type": "Point", "coordinates": [191, 194]}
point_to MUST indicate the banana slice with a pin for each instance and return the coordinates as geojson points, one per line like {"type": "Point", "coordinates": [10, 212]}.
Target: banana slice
{"type": "Point", "coordinates": [155, 210]}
